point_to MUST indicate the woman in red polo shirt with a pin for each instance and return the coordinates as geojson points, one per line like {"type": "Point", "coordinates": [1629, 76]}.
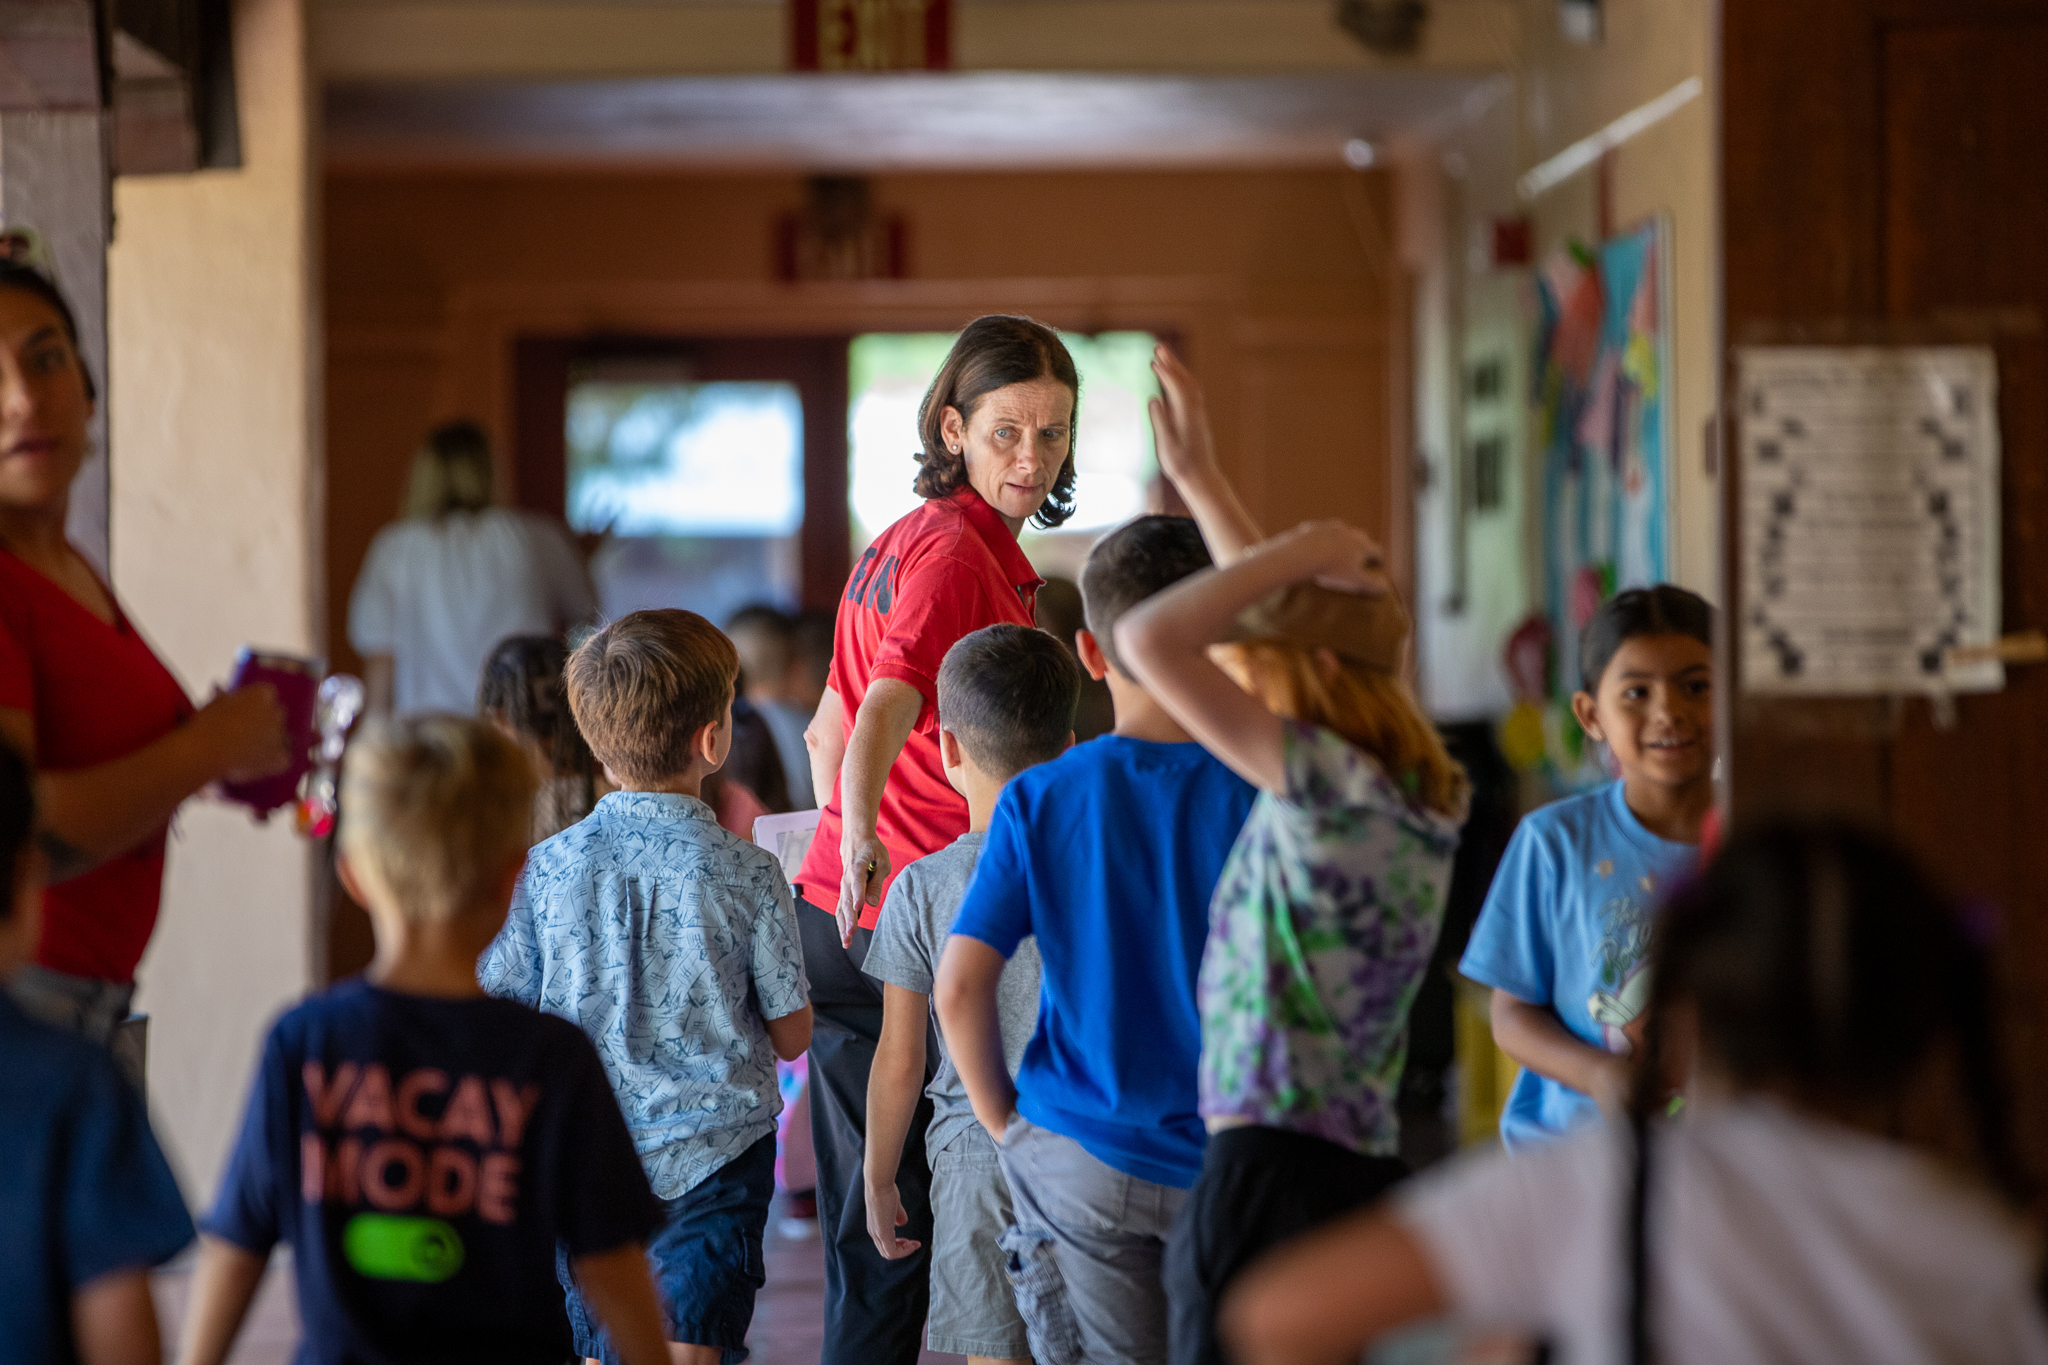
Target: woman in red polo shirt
{"type": "Point", "coordinates": [998, 450]}
{"type": "Point", "coordinates": [115, 743]}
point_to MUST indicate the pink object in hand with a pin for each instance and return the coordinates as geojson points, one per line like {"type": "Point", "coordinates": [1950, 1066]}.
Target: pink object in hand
{"type": "Point", "coordinates": [297, 682]}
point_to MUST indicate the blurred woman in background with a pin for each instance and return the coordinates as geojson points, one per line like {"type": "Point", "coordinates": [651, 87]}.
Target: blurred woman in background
{"type": "Point", "coordinates": [454, 576]}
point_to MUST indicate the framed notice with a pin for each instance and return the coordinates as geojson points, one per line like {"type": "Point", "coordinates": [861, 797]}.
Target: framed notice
{"type": "Point", "coordinates": [1869, 519]}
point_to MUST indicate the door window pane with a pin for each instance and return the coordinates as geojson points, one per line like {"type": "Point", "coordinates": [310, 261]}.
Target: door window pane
{"type": "Point", "coordinates": [699, 484]}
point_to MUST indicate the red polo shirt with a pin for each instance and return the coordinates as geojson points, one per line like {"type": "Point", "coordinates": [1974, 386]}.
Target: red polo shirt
{"type": "Point", "coordinates": [97, 693]}
{"type": "Point", "coordinates": [949, 568]}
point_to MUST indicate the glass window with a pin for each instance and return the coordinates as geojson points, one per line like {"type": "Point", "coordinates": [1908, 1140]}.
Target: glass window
{"type": "Point", "coordinates": [1113, 460]}
{"type": "Point", "coordinates": [700, 486]}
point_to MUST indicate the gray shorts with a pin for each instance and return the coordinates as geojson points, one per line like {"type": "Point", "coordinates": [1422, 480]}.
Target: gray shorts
{"type": "Point", "coordinates": [1086, 1252]}
{"type": "Point", "coordinates": [973, 1312]}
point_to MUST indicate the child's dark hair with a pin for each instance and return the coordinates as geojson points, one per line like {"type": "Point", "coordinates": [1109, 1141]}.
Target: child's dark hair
{"type": "Point", "coordinates": [1008, 693]}
{"type": "Point", "coordinates": [1665, 609]}
{"type": "Point", "coordinates": [1130, 564]}
{"type": "Point", "coordinates": [17, 821]}
{"type": "Point", "coordinates": [1821, 964]}
{"type": "Point", "coordinates": [523, 687]}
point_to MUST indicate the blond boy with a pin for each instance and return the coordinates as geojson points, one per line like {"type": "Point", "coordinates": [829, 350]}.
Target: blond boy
{"type": "Point", "coordinates": [421, 1146]}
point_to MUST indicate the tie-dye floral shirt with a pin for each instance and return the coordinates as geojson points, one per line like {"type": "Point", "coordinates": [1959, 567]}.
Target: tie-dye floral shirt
{"type": "Point", "coordinates": [669, 940]}
{"type": "Point", "coordinates": [1319, 934]}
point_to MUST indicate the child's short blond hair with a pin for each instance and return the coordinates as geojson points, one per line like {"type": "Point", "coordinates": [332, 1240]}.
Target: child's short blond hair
{"type": "Point", "coordinates": [432, 807]}
{"type": "Point", "coordinates": [643, 687]}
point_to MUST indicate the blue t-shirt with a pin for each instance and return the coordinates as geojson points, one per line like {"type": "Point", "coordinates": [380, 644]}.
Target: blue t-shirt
{"type": "Point", "coordinates": [84, 1190]}
{"type": "Point", "coordinates": [423, 1157]}
{"type": "Point", "coordinates": [1566, 924]}
{"type": "Point", "coordinates": [1110, 855]}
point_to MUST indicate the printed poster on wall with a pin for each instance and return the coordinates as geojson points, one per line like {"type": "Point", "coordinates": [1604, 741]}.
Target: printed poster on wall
{"type": "Point", "coordinates": [1869, 518]}
{"type": "Point", "coordinates": [1602, 377]}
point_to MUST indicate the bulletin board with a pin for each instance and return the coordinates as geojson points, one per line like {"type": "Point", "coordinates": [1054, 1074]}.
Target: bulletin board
{"type": "Point", "coordinates": [1603, 433]}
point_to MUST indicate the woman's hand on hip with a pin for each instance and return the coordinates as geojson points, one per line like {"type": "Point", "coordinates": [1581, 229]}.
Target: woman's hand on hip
{"type": "Point", "coordinates": [864, 871]}
{"type": "Point", "coordinates": [244, 733]}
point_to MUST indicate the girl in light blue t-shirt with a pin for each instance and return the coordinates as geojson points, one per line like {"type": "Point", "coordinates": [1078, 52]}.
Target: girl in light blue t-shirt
{"type": "Point", "coordinates": [1565, 929]}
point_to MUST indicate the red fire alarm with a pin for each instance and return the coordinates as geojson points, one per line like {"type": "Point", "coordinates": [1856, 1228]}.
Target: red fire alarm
{"type": "Point", "coordinates": [1513, 242]}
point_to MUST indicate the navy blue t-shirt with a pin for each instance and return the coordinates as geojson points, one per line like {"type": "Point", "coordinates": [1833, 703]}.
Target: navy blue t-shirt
{"type": "Point", "coordinates": [423, 1157]}
{"type": "Point", "coordinates": [1110, 855]}
{"type": "Point", "coordinates": [84, 1190]}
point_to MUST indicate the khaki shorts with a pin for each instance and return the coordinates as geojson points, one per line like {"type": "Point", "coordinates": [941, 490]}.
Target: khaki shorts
{"type": "Point", "coordinates": [973, 1312]}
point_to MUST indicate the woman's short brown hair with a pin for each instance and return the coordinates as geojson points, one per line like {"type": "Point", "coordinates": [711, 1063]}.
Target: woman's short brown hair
{"type": "Point", "coordinates": [995, 352]}
{"type": "Point", "coordinates": [642, 688]}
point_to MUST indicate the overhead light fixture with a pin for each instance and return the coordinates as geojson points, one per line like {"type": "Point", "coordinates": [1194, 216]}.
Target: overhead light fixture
{"type": "Point", "coordinates": [1588, 150]}
{"type": "Point", "coordinates": [1360, 155]}
{"type": "Point", "coordinates": [1392, 28]}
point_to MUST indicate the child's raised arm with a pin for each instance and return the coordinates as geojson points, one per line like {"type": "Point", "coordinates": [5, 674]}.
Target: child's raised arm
{"type": "Point", "coordinates": [965, 993]}
{"type": "Point", "coordinates": [894, 1082]}
{"type": "Point", "coordinates": [1187, 456]}
{"type": "Point", "coordinates": [1165, 640]}
{"type": "Point", "coordinates": [222, 1286]}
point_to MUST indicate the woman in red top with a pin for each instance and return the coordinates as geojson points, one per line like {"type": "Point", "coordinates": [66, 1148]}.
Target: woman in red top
{"type": "Point", "coordinates": [998, 450]}
{"type": "Point", "coordinates": [115, 743]}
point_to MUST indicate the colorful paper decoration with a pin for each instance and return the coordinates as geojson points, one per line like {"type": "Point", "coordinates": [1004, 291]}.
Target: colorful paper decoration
{"type": "Point", "coordinates": [1604, 431]}
{"type": "Point", "coordinates": [871, 35]}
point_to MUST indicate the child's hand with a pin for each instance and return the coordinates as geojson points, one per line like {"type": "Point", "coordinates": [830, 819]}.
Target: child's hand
{"type": "Point", "coordinates": [1612, 1079]}
{"type": "Point", "coordinates": [1338, 556]}
{"type": "Point", "coordinates": [885, 1215]}
{"type": "Point", "coordinates": [1180, 421]}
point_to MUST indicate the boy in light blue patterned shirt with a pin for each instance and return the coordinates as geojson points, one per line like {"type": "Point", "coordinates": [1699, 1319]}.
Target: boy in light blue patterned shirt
{"type": "Point", "coordinates": [673, 943]}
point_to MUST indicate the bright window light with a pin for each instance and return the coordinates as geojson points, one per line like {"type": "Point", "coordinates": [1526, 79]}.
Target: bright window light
{"type": "Point", "coordinates": [889, 372]}
{"type": "Point", "coordinates": [680, 459]}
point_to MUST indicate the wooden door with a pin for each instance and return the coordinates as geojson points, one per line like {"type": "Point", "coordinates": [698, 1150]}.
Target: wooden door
{"type": "Point", "coordinates": [1885, 170]}
{"type": "Point", "coordinates": [815, 365]}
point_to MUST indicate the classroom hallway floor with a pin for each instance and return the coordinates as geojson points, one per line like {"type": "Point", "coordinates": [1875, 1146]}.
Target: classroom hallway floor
{"type": "Point", "coordinates": [789, 1315]}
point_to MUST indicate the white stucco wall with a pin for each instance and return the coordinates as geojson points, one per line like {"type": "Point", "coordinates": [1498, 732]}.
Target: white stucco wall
{"type": "Point", "coordinates": [215, 464]}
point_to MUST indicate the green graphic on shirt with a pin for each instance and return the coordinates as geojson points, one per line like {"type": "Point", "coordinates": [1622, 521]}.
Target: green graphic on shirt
{"type": "Point", "coordinates": [383, 1247]}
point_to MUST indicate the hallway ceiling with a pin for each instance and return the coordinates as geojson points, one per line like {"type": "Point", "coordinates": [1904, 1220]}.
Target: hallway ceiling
{"type": "Point", "coordinates": [906, 121]}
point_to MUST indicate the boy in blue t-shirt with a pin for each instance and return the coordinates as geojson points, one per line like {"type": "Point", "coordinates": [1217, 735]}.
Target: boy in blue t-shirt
{"type": "Point", "coordinates": [87, 1204]}
{"type": "Point", "coordinates": [423, 1147]}
{"type": "Point", "coordinates": [1564, 935]}
{"type": "Point", "coordinates": [1109, 854]}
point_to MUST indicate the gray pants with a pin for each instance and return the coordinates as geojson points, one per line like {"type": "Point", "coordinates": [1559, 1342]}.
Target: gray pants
{"type": "Point", "coordinates": [98, 1009]}
{"type": "Point", "coordinates": [1086, 1252]}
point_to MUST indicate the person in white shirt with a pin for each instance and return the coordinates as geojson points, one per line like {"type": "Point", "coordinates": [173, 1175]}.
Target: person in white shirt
{"type": "Point", "coordinates": [1838, 1187]}
{"type": "Point", "coordinates": [443, 585]}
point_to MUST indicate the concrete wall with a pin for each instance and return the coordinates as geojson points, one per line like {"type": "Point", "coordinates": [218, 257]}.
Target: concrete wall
{"type": "Point", "coordinates": [215, 543]}
{"type": "Point", "coordinates": [1571, 91]}
{"type": "Point", "coordinates": [1449, 190]}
